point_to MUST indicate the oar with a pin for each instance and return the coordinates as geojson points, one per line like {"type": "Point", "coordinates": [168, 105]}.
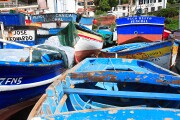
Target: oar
{"type": "Point", "coordinates": [31, 48]}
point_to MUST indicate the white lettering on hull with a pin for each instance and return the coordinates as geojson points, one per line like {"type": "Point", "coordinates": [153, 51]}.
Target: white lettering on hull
{"type": "Point", "coordinates": [11, 81]}
{"type": "Point", "coordinates": [139, 19]}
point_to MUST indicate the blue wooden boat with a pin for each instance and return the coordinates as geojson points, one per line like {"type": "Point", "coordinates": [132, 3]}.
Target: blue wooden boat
{"type": "Point", "coordinates": [50, 18]}
{"type": "Point", "coordinates": [29, 35]}
{"type": "Point", "coordinates": [87, 22]}
{"type": "Point", "coordinates": [162, 53]}
{"type": "Point", "coordinates": [139, 29]}
{"type": "Point", "coordinates": [61, 20]}
{"type": "Point", "coordinates": [111, 88]}
{"type": "Point", "coordinates": [24, 77]}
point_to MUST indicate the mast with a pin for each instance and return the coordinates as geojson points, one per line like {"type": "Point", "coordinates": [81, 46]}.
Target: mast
{"type": "Point", "coordinates": [179, 16]}
{"type": "Point", "coordinates": [130, 7]}
{"type": "Point", "coordinates": [119, 2]}
{"type": "Point", "coordinates": [16, 3]}
{"type": "Point", "coordinates": [85, 7]}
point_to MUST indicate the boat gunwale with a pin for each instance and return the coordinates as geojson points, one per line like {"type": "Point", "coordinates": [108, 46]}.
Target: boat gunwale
{"type": "Point", "coordinates": [31, 64]}
{"type": "Point", "coordinates": [144, 47]}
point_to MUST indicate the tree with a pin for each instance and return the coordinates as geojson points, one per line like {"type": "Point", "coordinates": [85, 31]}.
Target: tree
{"type": "Point", "coordinates": [96, 2]}
{"type": "Point", "coordinates": [113, 3]}
{"type": "Point", "coordinates": [173, 1]}
{"type": "Point", "coordinates": [104, 5]}
{"type": "Point", "coordinates": [167, 12]}
{"type": "Point", "coordinates": [124, 1]}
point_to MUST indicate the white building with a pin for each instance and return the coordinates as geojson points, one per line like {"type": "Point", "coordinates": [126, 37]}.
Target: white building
{"type": "Point", "coordinates": [145, 5]}
{"type": "Point", "coordinates": [61, 6]}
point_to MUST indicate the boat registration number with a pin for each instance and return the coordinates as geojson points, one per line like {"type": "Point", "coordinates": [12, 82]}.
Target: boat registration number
{"type": "Point", "coordinates": [10, 81]}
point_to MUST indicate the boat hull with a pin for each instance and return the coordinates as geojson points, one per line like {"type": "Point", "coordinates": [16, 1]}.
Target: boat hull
{"type": "Point", "coordinates": [104, 88]}
{"type": "Point", "coordinates": [159, 53]}
{"type": "Point", "coordinates": [139, 28]}
{"type": "Point", "coordinates": [174, 53]}
{"type": "Point", "coordinates": [14, 101]}
{"type": "Point", "coordinates": [87, 46]}
{"type": "Point", "coordinates": [22, 81]}
{"type": "Point", "coordinates": [119, 113]}
{"type": "Point", "coordinates": [28, 35]}
{"type": "Point", "coordinates": [11, 110]}
{"type": "Point", "coordinates": [130, 38]}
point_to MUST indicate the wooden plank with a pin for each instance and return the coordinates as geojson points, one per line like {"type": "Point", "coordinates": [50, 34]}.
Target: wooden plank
{"type": "Point", "coordinates": [123, 94]}
{"type": "Point", "coordinates": [60, 104]}
{"type": "Point", "coordinates": [124, 76]}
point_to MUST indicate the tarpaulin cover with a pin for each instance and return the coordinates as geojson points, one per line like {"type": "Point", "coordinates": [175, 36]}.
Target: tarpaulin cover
{"type": "Point", "coordinates": [48, 53]}
{"type": "Point", "coordinates": [69, 35]}
{"type": "Point", "coordinates": [107, 36]}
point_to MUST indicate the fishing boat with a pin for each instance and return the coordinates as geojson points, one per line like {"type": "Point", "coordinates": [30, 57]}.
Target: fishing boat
{"type": "Point", "coordinates": [86, 42]}
{"type": "Point", "coordinates": [26, 73]}
{"type": "Point", "coordinates": [53, 20]}
{"type": "Point", "coordinates": [162, 53]}
{"type": "Point", "coordinates": [139, 29]}
{"type": "Point", "coordinates": [87, 21]}
{"type": "Point", "coordinates": [111, 88]}
{"type": "Point", "coordinates": [29, 35]}
{"type": "Point", "coordinates": [61, 20]}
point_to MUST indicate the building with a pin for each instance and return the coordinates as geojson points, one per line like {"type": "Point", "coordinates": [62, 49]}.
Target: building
{"type": "Point", "coordinates": [90, 7]}
{"type": "Point", "coordinates": [145, 5]}
{"type": "Point", "coordinates": [61, 6]}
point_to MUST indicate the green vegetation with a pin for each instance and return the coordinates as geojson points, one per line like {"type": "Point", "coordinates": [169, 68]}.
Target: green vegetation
{"type": "Point", "coordinates": [170, 13]}
{"type": "Point", "coordinates": [104, 5]}
{"type": "Point", "coordinates": [172, 24]}
{"type": "Point", "coordinates": [173, 1]}
{"type": "Point", "coordinates": [171, 17]}
{"type": "Point", "coordinates": [112, 27]}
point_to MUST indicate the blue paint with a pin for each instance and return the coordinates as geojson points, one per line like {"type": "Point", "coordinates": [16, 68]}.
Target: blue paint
{"type": "Point", "coordinates": [52, 17]}
{"type": "Point", "coordinates": [54, 31]}
{"type": "Point", "coordinates": [128, 98]}
{"type": "Point", "coordinates": [21, 81]}
{"type": "Point", "coordinates": [29, 70]}
{"type": "Point", "coordinates": [30, 73]}
{"type": "Point", "coordinates": [141, 49]}
{"type": "Point", "coordinates": [30, 43]}
{"type": "Point", "coordinates": [134, 48]}
{"type": "Point", "coordinates": [140, 19]}
{"type": "Point", "coordinates": [121, 64]}
{"type": "Point", "coordinates": [126, 94]}
{"type": "Point", "coordinates": [125, 76]}
{"type": "Point", "coordinates": [119, 114]}
{"type": "Point", "coordinates": [9, 98]}
{"type": "Point", "coordinates": [86, 20]}
{"type": "Point", "coordinates": [12, 19]}
{"type": "Point", "coordinates": [140, 29]}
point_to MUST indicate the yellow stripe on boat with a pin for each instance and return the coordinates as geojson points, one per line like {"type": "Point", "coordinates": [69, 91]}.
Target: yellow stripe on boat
{"type": "Point", "coordinates": [90, 36]}
{"type": "Point", "coordinates": [149, 54]}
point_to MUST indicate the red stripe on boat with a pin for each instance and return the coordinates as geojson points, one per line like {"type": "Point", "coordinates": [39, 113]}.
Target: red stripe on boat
{"type": "Point", "coordinates": [129, 38]}
{"type": "Point", "coordinates": [90, 38]}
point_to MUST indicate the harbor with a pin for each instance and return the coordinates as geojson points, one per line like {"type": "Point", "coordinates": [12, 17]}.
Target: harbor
{"type": "Point", "coordinates": [88, 62]}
